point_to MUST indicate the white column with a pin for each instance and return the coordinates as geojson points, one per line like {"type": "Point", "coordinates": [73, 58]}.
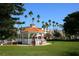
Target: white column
{"type": "Point", "coordinates": [28, 38]}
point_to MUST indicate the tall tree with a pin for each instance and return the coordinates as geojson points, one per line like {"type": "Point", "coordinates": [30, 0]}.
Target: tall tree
{"type": "Point", "coordinates": [38, 21]}
{"type": "Point", "coordinates": [71, 23]}
{"type": "Point", "coordinates": [33, 20]}
{"type": "Point", "coordinates": [19, 22]}
{"type": "Point", "coordinates": [30, 13]}
{"type": "Point", "coordinates": [57, 25]}
{"type": "Point", "coordinates": [8, 12]}
{"type": "Point", "coordinates": [46, 25]}
{"type": "Point", "coordinates": [25, 16]}
{"type": "Point", "coordinates": [56, 34]}
{"type": "Point", "coordinates": [42, 22]}
{"type": "Point", "coordinates": [49, 21]}
{"type": "Point", "coordinates": [38, 16]}
{"type": "Point", "coordinates": [43, 26]}
{"type": "Point", "coordinates": [53, 24]}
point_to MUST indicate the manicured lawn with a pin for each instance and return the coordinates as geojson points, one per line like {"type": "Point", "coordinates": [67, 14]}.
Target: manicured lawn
{"type": "Point", "coordinates": [57, 48]}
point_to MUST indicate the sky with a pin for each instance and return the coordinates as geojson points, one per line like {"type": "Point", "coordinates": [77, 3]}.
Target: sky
{"type": "Point", "coordinates": [54, 11]}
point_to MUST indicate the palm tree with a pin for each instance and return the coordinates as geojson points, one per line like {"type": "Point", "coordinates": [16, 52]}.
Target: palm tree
{"type": "Point", "coordinates": [46, 25]}
{"type": "Point", "coordinates": [57, 24]}
{"type": "Point", "coordinates": [49, 21]}
{"type": "Point", "coordinates": [43, 25]}
{"type": "Point", "coordinates": [53, 22]}
{"type": "Point", "coordinates": [33, 20]}
{"type": "Point", "coordinates": [30, 13]}
{"type": "Point", "coordinates": [25, 16]}
{"type": "Point", "coordinates": [42, 22]}
{"type": "Point", "coordinates": [38, 21]}
{"type": "Point", "coordinates": [38, 16]}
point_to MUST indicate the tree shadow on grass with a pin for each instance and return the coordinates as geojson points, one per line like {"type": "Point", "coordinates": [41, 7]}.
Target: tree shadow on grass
{"type": "Point", "coordinates": [72, 53]}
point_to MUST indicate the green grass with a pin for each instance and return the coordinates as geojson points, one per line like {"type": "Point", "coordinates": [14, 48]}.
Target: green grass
{"type": "Point", "coordinates": [57, 48]}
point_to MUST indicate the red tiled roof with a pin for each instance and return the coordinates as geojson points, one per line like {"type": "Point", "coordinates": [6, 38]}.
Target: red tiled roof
{"type": "Point", "coordinates": [33, 29]}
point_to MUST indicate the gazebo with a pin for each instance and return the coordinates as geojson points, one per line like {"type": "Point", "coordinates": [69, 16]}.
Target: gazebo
{"type": "Point", "coordinates": [28, 32]}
